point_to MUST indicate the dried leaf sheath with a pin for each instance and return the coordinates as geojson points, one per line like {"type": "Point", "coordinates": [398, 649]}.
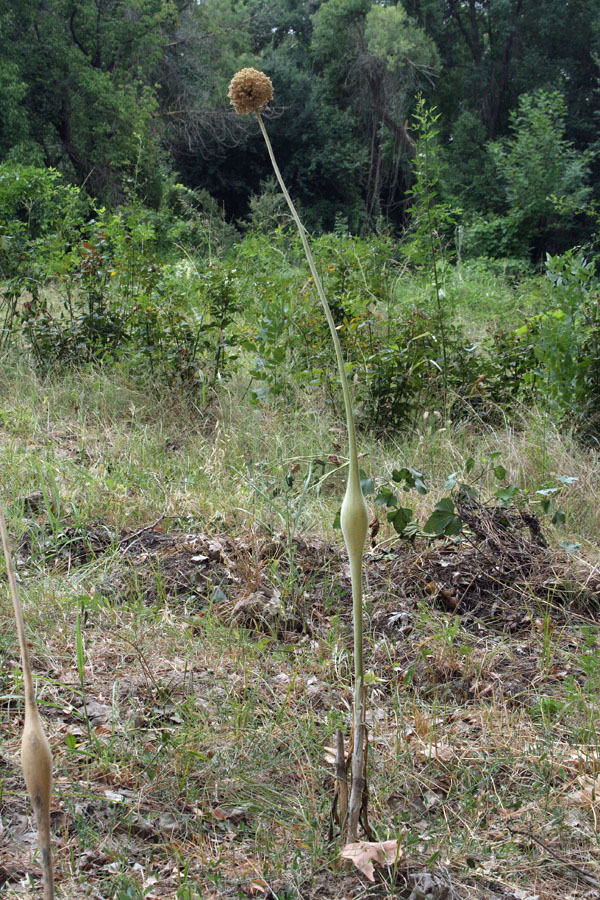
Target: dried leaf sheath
{"type": "Point", "coordinates": [36, 757]}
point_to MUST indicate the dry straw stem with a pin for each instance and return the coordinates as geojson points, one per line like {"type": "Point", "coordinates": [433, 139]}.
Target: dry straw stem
{"type": "Point", "coordinates": [250, 93]}
{"type": "Point", "coordinates": [36, 757]}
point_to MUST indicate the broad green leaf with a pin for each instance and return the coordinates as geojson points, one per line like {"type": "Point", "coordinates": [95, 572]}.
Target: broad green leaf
{"type": "Point", "coordinates": [443, 520]}
{"type": "Point", "coordinates": [386, 497]}
{"type": "Point", "coordinates": [450, 482]}
{"type": "Point", "coordinates": [400, 518]}
{"type": "Point", "coordinates": [367, 484]}
{"type": "Point", "coordinates": [507, 494]}
{"type": "Point", "coordinates": [411, 478]}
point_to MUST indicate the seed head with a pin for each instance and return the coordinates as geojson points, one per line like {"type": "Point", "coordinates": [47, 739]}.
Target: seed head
{"type": "Point", "coordinates": [250, 90]}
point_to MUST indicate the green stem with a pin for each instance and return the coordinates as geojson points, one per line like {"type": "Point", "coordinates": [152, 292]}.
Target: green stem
{"type": "Point", "coordinates": [354, 491]}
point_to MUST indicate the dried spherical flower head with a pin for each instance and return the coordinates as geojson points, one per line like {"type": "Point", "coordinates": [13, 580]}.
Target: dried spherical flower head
{"type": "Point", "coordinates": [250, 90]}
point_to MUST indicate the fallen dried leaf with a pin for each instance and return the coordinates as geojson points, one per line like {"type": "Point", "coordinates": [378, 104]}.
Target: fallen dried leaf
{"type": "Point", "coordinates": [235, 814]}
{"type": "Point", "coordinates": [253, 889]}
{"type": "Point", "coordinates": [589, 795]}
{"type": "Point", "coordinates": [441, 752]}
{"type": "Point", "coordinates": [329, 755]}
{"type": "Point", "coordinates": [102, 729]}
{"type": "Point", "coordinates": [364, 853]}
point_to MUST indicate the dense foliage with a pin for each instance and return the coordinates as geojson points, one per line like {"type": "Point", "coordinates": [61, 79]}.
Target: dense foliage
{"type": "Point", "coordinates": [118, 96]}
{"type": "Point", "coordinates": [183, 302]}
{"type": "Point", "coordinates": [423, 140]}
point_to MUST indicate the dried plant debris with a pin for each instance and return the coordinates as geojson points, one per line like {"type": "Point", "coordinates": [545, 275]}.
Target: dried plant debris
{"type": "Point", "coordinates": [493, 573]}
{"type": "Point", "coordinates": [502, 562]}
{"type": "Point", "coordinates": [59, 546]}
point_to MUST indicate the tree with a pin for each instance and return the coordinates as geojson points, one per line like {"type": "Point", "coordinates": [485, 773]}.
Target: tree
{"type": "Point", "coordinates": [89, 100]}
{"type": "Point", "coordinates": [198, 60]}
{"type": "Point", "coordinates": [14, 127]}
{"type": "Point", "coordinates": [493, 51]}
{"type": "Point", "coordinates": [544, 176]}
{"type": "Point", "coordinates": [489, 30]}
{"type": "Point", "coordinates": [373, 59]}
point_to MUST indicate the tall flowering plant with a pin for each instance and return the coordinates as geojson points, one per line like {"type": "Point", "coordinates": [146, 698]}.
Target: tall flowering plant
{"type": "Point", "coordinates": [250, 91]}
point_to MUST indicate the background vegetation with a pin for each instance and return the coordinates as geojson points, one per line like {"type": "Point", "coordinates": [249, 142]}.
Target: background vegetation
{"type": "Point", "coordinates": [128, 98]}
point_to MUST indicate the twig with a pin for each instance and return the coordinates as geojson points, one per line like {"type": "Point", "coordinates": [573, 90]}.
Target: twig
{"type": "Point", "coordinates": [581, 872]}
{"type": "Point", "coordinates": [341, 775]}
{"type": "Point", "coordinates": [333, 817]}
{"type": "Point", "coordinates": [129, 540]}
{"type": "Point", "coordinates": [364, 812]}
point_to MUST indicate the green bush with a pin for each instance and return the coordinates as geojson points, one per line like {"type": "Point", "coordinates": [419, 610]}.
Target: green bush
{"type": "Point", "coordinates": [81, 284]}
{"type": "Point", "coordinates": [38, 203]}
{"type": "Point", "coordinates": [554, 357]}
{"type": "Point", "coordinates": [566, 340]}
{"type": "Point", "coordinates": [175, 325]}
{"type": "Point", "coordinates": [393, 349]}
{"type": "Point", "coordinates": [40, 219]}
{"type": "Point", "coordinates": [492, 236]}
{"type": "Point", "coordinates": [541, 171]}
{"type": "Point", "coordinates": [405, 378]}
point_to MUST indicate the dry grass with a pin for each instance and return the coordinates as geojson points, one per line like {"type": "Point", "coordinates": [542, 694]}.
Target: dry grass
{"type": "Point", "coordinates": [215, 675]}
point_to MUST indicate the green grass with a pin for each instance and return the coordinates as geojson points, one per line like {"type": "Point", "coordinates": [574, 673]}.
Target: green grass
{"type": "Point", "coordinates": [204, 771]}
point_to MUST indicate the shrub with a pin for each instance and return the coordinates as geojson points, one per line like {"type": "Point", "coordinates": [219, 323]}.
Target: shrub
{"type": "Point", "coordinates": [81, 288]}
{"type": "Point", "coordinates": [40, 218]}
{"type": "Point", "coordinates": [541, 169]}
{"type": "Point", "coordinates": [393, 350]}
{"type": "Point", "coordinates": [566, 340]}
{"type": "Point", "coordinates": [493, 236]}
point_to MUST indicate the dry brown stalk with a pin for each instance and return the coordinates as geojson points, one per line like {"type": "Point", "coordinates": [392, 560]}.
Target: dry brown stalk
{"type": "Point", "coordinates": [341, 772]}
{"type": "Point", "coordinates": [36, 757]}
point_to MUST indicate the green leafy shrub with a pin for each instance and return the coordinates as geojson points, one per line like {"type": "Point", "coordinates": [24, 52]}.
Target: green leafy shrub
{"type": "Point", "coordinates": [268, 210]}
{"type": "Point", "coordinates": [192, 220]}
{"type": "Point", "coordinates": [508, 371]}
{"type": "Point", "coordinates": [554, 356]}
{"type": "Point", "coordinates": [113, 293]}
{"type": "Point", "coordinates": [40, 219]}
{"type": "Point", "coordinates": [484, 480]}
{"type": "Point", "coordinates": [404, 376]}
{"type": "Point", "coordinates": [493, 236]}
{"type": "Point", "coordinates": [540, 169]}
{"type": "Point", "coordinates": [38, 203]}
{"type": "Point", "coordinates": [542, 184]}
{"type": "Point", "coordinates": [393, 349]}
{"type": "Point", "coordinates": [286, 334]}
{"type": "Point", "coordinates": [83, 316]}
{"type": "Point", "coordinates": [566, 341]}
